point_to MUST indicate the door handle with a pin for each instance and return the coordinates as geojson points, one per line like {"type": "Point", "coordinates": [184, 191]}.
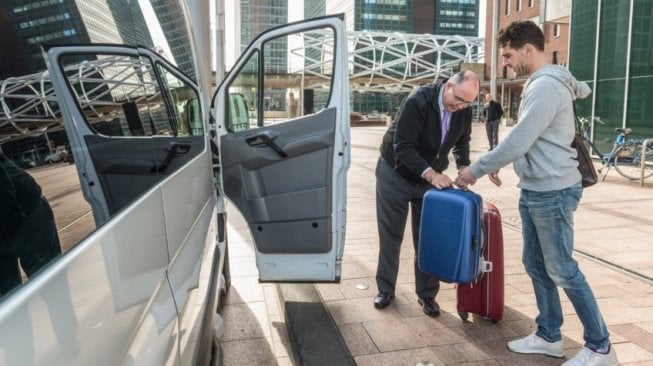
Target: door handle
{"type": "Point", "coordinates": [176, 148]}
{"type": "Point", "coordinates": [266, 138]}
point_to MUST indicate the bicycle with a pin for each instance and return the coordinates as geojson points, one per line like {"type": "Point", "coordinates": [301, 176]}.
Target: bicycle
{"type": "Point", "coordinates": [626, 154]}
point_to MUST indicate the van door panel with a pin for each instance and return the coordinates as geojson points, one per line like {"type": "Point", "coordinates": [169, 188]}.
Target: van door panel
{"type": "Point", "coordinates": [282, 166]}
{"type": "Point", "coordinates": [127, 167]}
{"type": "Point", "coordinates": [156, 235]}
{"type": "Point", "coordinates": [185, 196]}
{"type": "Point", "coordinates": [101, 293]}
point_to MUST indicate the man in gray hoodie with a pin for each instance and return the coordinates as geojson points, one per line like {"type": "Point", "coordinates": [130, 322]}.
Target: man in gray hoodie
{"type": "Point", "coordinates": [539, 147]}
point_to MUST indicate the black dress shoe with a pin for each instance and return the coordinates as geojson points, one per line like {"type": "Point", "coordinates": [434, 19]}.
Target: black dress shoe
{"type": "Point", "coordinates": [382, 300]}
{"type": "Point", "coordinates": [430, 307]}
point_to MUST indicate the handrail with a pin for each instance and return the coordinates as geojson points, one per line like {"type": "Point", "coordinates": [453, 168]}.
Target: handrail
{"type": "Point", "coordinates": [644, 147]}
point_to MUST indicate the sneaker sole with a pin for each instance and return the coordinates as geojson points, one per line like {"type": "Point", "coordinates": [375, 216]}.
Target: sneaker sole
{"type": "Point", "coordinates": [538, 353]}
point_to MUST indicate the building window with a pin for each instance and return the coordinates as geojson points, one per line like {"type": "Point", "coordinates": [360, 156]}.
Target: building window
{"type": "Point", "coordinates": [507, 9]}
{"type": "Point", "coordinates": [555, 58]}
{"type": "Point", "coordinates": [518, 5]}
{"type": "Point", "coordinates": [530, 3]}
{"type": "Point", "coordinates": [556, 30]}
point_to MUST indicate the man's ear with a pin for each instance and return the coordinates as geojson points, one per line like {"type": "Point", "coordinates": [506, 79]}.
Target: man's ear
{"type": "Point", "coordinates": [529, 49]}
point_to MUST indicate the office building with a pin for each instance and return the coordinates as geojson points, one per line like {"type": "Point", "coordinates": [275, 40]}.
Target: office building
{"type": "Point", "coordinates": [256, 17]}
{"type": "Point", "coordinates": [553, 18]}
{"type": "Point", "coordinates": [610, 49]}
{"type": "Point", "coordinates": [65, 22]}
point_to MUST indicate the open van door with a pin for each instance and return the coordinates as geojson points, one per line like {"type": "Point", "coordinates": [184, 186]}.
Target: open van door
{"type": "Point", "coordinates": [286, 168]}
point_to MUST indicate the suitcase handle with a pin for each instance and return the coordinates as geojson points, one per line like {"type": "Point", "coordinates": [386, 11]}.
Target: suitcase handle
{"type": "Point", "coordinates": [486, 266]}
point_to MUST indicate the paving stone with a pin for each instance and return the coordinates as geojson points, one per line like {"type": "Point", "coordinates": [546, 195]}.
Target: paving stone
{"type": "Point", "coordinates": [407, 357]}
{"type": "Point", "coordinates": [253, 351]}
{"type": "Point", "coordinates": [358, 340]}
{"type": "Point", "coordinates": [635, 334]}
{"type": "Point", "coordinates": [393, 335]}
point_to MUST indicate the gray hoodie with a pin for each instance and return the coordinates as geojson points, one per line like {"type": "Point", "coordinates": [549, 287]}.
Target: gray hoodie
{"type": "Point", "coordinates": [540, 144]}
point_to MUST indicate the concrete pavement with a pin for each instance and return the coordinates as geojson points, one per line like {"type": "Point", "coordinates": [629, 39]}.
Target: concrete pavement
{"type": "Point", "coordinates": [614, 243]}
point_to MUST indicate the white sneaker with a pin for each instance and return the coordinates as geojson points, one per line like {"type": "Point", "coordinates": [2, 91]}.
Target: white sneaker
{"type": "Point", "coordinates": [587, 357]}
{"type": "Point", "coordinates": [535, 344]}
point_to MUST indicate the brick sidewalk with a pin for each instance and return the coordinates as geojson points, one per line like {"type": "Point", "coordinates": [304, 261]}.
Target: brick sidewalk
{"type": "Point", "coordinates": [612, 229]}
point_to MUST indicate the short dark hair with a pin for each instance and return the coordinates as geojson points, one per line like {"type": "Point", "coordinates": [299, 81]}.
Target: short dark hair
{"type": "Point", "coordinates": [520, 32]}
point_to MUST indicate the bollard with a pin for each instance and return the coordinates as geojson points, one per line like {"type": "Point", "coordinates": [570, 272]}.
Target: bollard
{"type": "Point", "coordinates": [643, 162]}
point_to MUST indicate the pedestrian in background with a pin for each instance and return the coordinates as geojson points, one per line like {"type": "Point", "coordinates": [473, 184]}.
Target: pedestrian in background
{"type": "Point", "coordinates": [539, 147]}
{"type": "Point", "coordinates": [492, 112]}
{"type": "Point", "coordinates": [432, 121]}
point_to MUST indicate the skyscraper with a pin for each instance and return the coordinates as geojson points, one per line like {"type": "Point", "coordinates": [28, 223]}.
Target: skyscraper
{"type": "Point", "coordinates": [456, 17]}
{"type": "Point", "coordinates": [256, 17]}
{"type": "Point", "coordinates": [610, 50]}
{"type": "Point", "coordinates": [29, 25]}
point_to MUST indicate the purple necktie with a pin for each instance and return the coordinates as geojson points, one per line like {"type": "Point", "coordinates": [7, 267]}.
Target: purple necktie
{"type": "Point", "coordinates": [444, 125]}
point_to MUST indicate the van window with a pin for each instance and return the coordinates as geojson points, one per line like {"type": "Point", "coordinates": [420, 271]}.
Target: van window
{"type": "Point", "coordinates": [296, 81]}
{"type": "Point", "coordinates": [185, 104]}
{"type": "Point", "coordinates": [119, 95]}
{"type": "Point", "coordinates": [243, 94]}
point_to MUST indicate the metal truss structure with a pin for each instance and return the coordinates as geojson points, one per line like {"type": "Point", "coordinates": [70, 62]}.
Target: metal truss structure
{"type": "Point", "coordinates": [379, 62]}
{"type": "Point", "coordinates": [394, 62]}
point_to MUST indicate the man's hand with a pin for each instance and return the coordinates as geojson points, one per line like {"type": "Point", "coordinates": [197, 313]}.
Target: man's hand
{"type": "Point", "coordinates": [465, 178]}
{"type": "Point", "coordinates": [437, 180]}
{"type": "Point", "coordinates": [494, 178]}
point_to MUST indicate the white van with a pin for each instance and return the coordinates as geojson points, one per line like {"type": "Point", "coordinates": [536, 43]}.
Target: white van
{"type": "Point", "coordinates": [155, 158]}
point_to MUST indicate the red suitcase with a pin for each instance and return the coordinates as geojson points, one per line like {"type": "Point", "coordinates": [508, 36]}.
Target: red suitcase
{"type": "Point", "coordinates": [485, 296]}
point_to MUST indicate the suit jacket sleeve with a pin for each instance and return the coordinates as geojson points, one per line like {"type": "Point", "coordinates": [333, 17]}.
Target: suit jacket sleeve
{"type": "Point", "coordinates": [461, 148]}
{"type": "Point", "coordinates": [7, 200]}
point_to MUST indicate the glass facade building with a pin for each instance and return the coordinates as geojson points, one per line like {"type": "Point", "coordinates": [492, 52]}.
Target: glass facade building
{"type": "Point", "coordinates": [610, 50]}
{"type": "Point", "coordinates": [257, 16]}
{"type": "Point", "coordinates": [456, 17]}
{"type": "Point", "coordinates": [26, 26]}
{"type": "Point", "coordinates": [314, 8]}
{"type": "Point", "coordinates": [381, 16]}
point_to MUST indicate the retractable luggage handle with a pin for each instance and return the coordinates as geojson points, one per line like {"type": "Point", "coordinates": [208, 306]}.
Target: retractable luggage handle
{"type": "Point", "coordinates": [484, 265]}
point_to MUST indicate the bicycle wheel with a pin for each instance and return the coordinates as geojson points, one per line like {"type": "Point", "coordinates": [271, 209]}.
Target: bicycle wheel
{"type": "Point", "coordinates": [628, 160]}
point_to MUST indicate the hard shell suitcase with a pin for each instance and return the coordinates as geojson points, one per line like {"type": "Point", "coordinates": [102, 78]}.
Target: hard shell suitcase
{"type": "Point", "coordinates": [450, 232]}
{"type": "Point", "coordinates": [485, 296]}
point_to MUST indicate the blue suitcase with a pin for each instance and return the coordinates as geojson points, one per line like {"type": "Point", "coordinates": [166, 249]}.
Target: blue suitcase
{"type": "Point", "coordinates": [450, 235]}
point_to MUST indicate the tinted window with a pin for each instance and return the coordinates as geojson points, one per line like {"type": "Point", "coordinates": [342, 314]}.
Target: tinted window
{"type": "Point", "coordinates": [123, 95]}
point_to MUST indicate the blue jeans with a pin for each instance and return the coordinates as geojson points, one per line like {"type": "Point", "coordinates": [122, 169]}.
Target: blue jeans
{"type": "Point", "coordinates": [548, 231]}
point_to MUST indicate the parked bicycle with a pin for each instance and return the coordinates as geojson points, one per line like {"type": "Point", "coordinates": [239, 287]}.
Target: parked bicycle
{"type": "Point", "coordinates": [626, 154]}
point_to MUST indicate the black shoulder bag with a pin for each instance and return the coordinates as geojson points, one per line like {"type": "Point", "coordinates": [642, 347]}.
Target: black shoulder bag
{"type": "Point", "coordinates": [585, 164]}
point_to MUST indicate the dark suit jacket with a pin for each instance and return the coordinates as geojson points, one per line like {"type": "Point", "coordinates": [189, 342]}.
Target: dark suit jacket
{"type": "Point", "coordinates": [492, 111]}
{"type": "Point", "coordinates": [412, 143]}
{"type": "Point", "coordinates": [19, 194]}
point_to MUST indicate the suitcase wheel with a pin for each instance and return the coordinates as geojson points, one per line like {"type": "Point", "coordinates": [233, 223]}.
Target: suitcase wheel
{"type": "Point", "coordinates": [463, 315]}
{"type": "Point", "coordinates": [494, 321]}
